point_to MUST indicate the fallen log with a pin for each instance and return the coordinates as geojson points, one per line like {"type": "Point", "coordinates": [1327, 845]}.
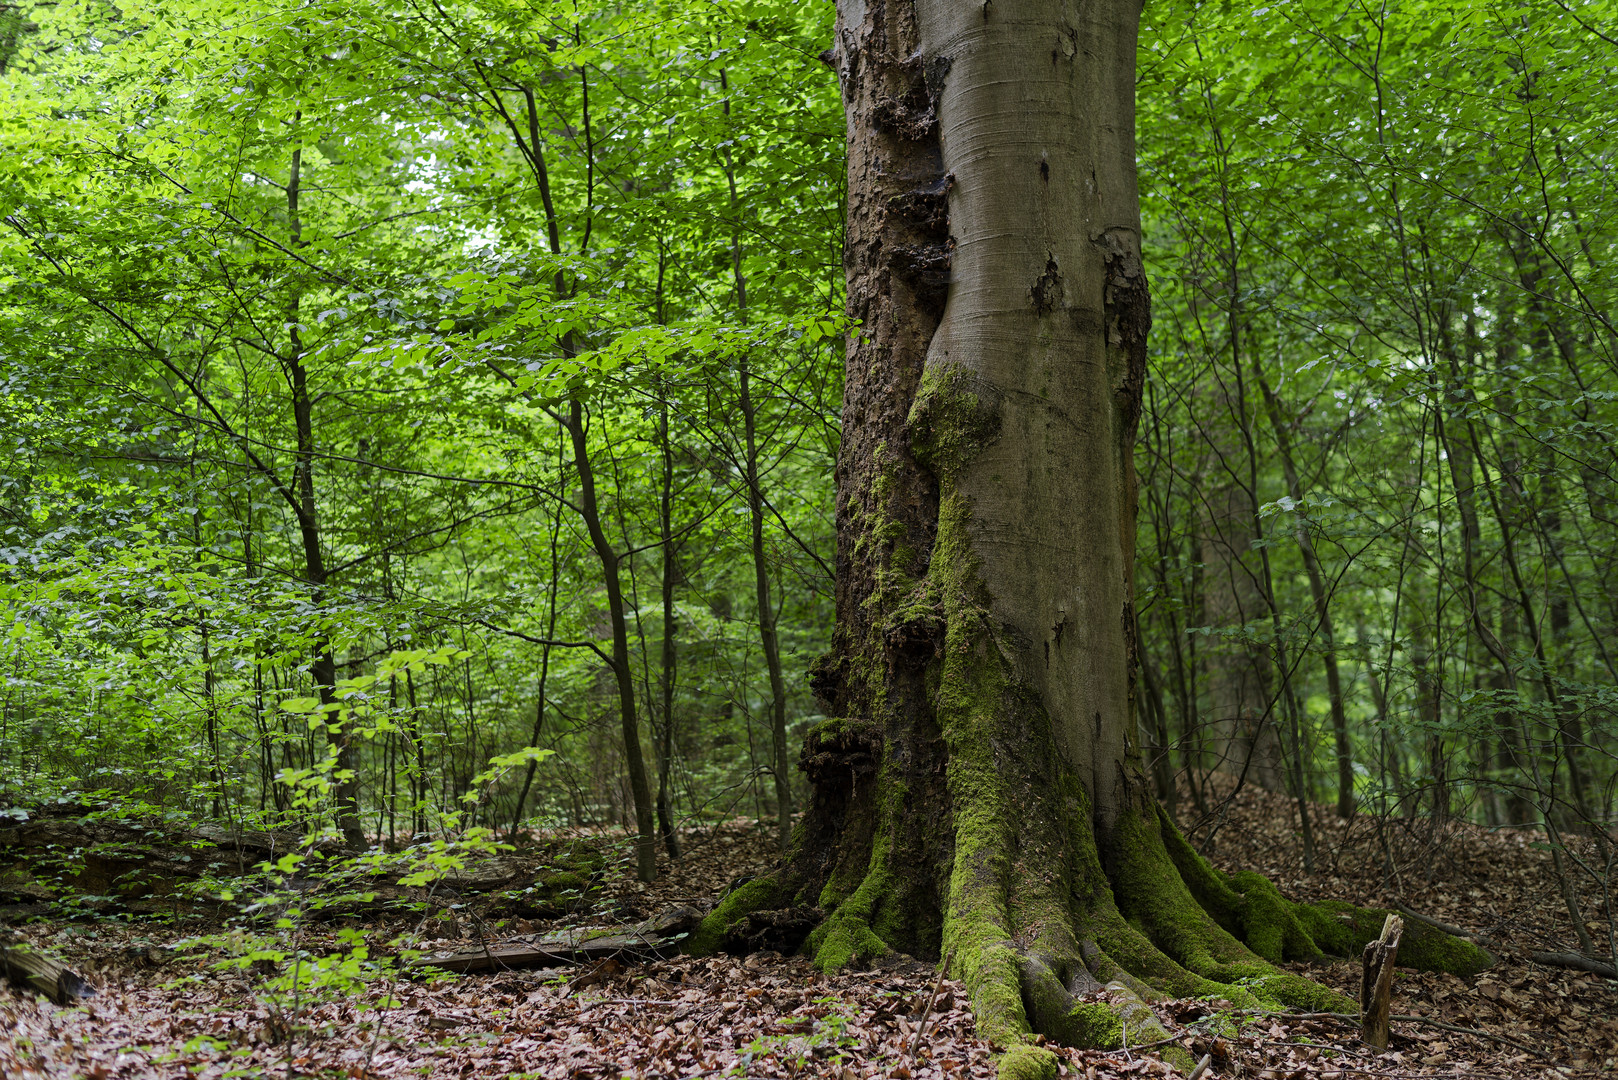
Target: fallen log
{"type": "Point", "coordinates": [138, 865]}
{"type": "Point", "coordinates": [27, 966]}
{"type": "Point", "coordinates": [134, 859]}
{"type": "Point", "coordinates": [655, 937]}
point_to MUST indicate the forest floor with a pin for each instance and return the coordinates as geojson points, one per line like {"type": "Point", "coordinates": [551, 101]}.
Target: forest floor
{"type": "Point", "coordinates": [163, 1012]}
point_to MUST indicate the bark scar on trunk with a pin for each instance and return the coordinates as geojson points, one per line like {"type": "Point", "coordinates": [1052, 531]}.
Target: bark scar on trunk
{"type": "Point", "coordinates": [1047, 289]}
{"type": "Point", "coordinates": [1127, 302]}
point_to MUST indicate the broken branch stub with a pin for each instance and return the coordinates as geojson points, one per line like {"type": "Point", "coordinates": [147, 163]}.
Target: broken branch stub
{"type": "Point", "coordinates": [1376, 983]}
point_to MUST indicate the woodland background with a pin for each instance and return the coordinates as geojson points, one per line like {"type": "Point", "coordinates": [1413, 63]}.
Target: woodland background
{"type": "Point", "coordinates": [417, 413]}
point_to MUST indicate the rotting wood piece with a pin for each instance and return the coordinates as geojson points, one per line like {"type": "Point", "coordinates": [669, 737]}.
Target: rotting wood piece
{"type": "Point", "coordinates": [1376, 983]}
{"type": "Point", "coordinates": [27, 966]}
{"type": "Point", "coordinates": [655, 937]}
{"type": "Point", "coordinates": [772, 931]}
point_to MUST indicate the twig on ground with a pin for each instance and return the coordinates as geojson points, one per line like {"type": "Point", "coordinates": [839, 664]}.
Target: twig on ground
{"type": "Point", "coordinates": [1410, 1018]}
{"type": "Point", "coordinates": [927, 1013]}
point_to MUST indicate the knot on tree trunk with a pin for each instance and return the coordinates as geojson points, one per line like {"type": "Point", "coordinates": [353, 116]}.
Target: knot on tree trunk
{"type": "Point", "coordinates": [915, 635]}
{"type": "Point", "coordinates": [1128, 305]}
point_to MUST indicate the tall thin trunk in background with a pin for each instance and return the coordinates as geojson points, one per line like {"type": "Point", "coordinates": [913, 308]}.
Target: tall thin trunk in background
{"type": "Point", "coordinates": [323, 666]}
{"type": "Point", "coordinates": [590, 511]}
{"type": "Point", "coordinates": [671, 571]}
{"type": "Point", "coordinates": [527, 139]}
{"type": "Point", "coordinates": [780, 763]}
{"type": "Point", "coordinates": [544, 658]}
{"type": "Point", "coordinates": [1290, 706]}
{"type": "Point", "coordinates": [1320, 596]}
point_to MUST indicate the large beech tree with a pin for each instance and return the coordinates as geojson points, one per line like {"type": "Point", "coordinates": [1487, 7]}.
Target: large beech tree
{"type": "Point", "coordinates": [981, 795]}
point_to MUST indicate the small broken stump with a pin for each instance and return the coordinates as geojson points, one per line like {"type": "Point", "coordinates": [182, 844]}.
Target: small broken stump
{"type": "Point", "coordinates": [1376, 983]}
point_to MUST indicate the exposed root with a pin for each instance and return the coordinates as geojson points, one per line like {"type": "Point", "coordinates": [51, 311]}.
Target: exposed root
{"type": "Point", "coordinates": [1250, 907]}
{"type": "Point", "coordinates": [1028, 1062]}
{"type": "Point", "coordinates": [760, 894]}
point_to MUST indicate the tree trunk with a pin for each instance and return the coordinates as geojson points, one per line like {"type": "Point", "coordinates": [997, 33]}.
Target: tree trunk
{"type": "Point", "coordinates": [769, 639]}
{"type": "Point", "coordinates": [671, 570]}
{"type": "Point", "coordinates": [780, 763]}
{"type": "Point", "coordinates": [323, 667]}
{"type": "Point", "coordinates": [589, 510]}
{"type": "Point", "coordinates": [979, 792]}
{"type": "Point", "coordinates": [1242, 700]}
{"type": "Point", "coordinates": [1322, 600]}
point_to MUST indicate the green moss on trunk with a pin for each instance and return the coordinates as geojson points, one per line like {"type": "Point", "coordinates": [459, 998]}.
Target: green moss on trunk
{"type": "Point", "coordinates": [1154, 892]}
{"type": "Point", "coordinates": [1094, 1025]}
{"type": "Point", "coordinates": [846, 937]}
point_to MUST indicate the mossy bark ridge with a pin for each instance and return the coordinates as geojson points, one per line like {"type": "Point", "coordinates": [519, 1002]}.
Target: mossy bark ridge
{"type": "Point", "coordinates": [981, 793]}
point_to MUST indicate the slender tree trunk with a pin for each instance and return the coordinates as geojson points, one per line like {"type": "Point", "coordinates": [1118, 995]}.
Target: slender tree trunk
{"type": "Point", "coordinates": [323, 666]}
{"type": "Point", "coordinates": [544, 668]}
{"type": "Point", "coordinates": [671, 569]}
{"type": "Point", "coordinates": [780, 764]}
{"type": "Point", "coordinates": [589, 510]}
{"type": "Point", "coordinates": [1322, 602]}
{"type": "Point", "coordinates": [418, 769]}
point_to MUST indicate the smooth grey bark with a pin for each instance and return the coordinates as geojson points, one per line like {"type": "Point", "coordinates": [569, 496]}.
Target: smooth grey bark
{"type": "Point", "coordinates": [1045, 287]}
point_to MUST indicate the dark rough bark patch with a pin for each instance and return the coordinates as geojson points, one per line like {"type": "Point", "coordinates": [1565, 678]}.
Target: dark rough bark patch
{"type": "Point", "coordinates": [841, 753]}
{"type": "Point", "coordinates": [840, 760]}
{"type": "Point", "coordinates": [925, 269]}
{"type": "Point", "coordinates": [925, 207]}
{"type": "Point", "coordinates": [826, 674]}
{"type": "Point", "coordinates": [909, 113]}
{"type": "Point", "coordinates": [1047, 289]}
{"type": "Point", "coordinates": [912, 111]}
{"type": "Point", "coordinates": [915, 637]}
{"type": "Point", "coordinates": [1128, 305]}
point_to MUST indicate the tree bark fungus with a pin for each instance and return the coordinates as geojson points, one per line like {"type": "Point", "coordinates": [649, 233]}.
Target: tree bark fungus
{"type": "Point", "coordinates": [981, 794]}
